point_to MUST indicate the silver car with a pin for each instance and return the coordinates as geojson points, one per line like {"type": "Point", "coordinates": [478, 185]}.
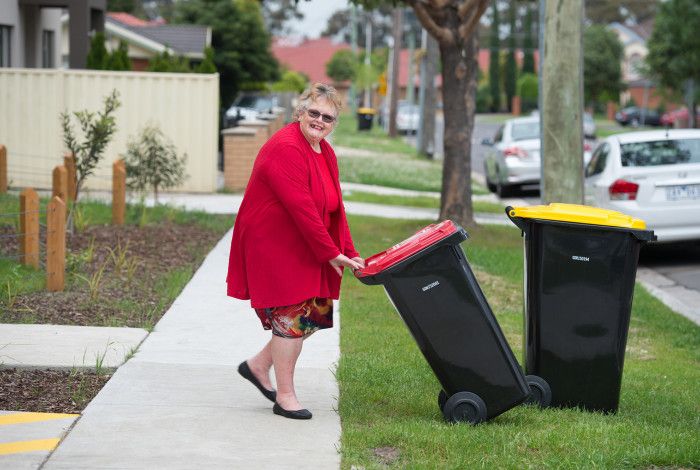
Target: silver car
{"type": "Point", "coordinates": [652, 175]}
{"type": "Point", "coordinates": [514, 157]}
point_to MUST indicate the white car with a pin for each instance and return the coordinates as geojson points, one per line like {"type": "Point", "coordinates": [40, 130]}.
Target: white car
{"type": "Point", "coordinates": [407, 118]}
{"type": "Point", "coordinates": [652, 175]}
{"type": "Point", "coordinates": [513, 161]}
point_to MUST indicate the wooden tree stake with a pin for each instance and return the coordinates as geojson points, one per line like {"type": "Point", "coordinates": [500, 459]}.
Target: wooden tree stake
{"type": "Point", "coordinates": [3, 169]}
{"type": "Point", "coordinates": [60, 182]}
{"type": "Point", "coordinates": [118, 192]}
{"type": "Point", "coordinates": [29, 227]}
{"type": "Point", "coordinates": [55, 245]}
{"type": "Point", "coordinates": [69, 163]}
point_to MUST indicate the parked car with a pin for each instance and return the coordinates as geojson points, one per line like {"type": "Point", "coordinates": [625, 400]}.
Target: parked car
{"type": "Point", "coordinates": [588, 126]}
{"type": "Point", "coordinates": [513, 160]}
{"type": "Point", "coordinates": [652, 175]}
{"type": "Point", "coordinates": [407, 117]}
{"type": "Point", "coordinates": [671, 117]}
{"type": "Point", "coordinates": [249, 106]}
{"type": "Point", "coordinates": [635, 117]}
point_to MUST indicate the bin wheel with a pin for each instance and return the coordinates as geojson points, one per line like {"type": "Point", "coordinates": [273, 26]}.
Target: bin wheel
{"type": "Point", "coordinates": [540, 392]}
{"type": "Point", "coordinates": [442, 399]}
{"type": "Point", "coordinates": [464, 407]}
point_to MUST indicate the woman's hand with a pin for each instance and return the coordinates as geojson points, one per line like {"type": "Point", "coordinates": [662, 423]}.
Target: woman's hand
{"type": "Point", "coordinates": [341, 260]}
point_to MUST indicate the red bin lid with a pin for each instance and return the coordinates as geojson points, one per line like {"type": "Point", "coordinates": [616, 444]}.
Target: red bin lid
{"type": "Point", "coordinates": [423, 238]}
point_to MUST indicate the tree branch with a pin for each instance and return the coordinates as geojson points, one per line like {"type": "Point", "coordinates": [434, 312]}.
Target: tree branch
{"type": "Point", "coordinates": [439, 4]}
{"type": "Point", "coordinates": [466, 29]}
{"type": "Point", "coordinates": [442, 35]}
{"type": "Point", "coordinates": [465, 8]}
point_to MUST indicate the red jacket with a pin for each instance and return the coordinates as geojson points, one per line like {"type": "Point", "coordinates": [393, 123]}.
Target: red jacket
{"type": "Point", "coordinates": [280, 247]}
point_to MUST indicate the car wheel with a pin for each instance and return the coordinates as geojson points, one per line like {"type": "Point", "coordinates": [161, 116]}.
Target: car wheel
{"type": "Point", "coordinates": [634, 122]}
{"type": "Point", "coordinates": [503, 190]}
{"type": "Point", "coordinates": [489, 184]}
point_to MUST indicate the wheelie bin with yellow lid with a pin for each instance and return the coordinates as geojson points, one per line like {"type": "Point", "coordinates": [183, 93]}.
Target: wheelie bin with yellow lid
{"type": "Point", "coordinates": [580, 269]}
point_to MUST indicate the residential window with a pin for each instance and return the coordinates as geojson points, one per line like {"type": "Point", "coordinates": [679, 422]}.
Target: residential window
{"type": "Point", "coordinates": [47, 49]}
{"type": "Point", "coordinates": [5, 48]}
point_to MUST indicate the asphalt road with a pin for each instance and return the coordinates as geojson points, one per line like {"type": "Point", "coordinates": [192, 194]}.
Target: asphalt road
{"type": "Point", "coordinates": [679, 262]}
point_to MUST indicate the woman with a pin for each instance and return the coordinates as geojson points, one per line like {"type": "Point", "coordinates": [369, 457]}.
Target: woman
{"type": "Point", "coordinates": [290, 243]}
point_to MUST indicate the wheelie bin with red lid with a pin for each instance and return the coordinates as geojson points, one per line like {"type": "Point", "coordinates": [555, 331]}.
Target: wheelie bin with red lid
{"type": "Point", "coordinates": [580, 267]}
{"type": "Point", "coordinates": [431, 285]}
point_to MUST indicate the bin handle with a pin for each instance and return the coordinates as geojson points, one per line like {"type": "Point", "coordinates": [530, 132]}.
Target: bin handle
{"type": "Point", "coordinates": [510, 212]}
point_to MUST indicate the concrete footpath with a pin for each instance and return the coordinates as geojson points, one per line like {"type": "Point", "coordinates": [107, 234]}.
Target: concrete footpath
{"type": "Point", "coordinates": [180, 403]}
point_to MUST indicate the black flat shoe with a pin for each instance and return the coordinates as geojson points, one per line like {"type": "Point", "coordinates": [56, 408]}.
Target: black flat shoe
{"type": "Point", "coordinates": [296, 414]}
{"type": "Point", "coordinates": [245, 371]}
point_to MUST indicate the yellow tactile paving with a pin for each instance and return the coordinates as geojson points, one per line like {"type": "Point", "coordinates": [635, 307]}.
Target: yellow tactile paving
{"type": "Point", "coordinates": [19, 418]}
{"type": "Point", "coordinates": [18, 447]}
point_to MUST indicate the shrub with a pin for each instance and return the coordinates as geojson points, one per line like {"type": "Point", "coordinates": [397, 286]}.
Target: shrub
{"type": "Point", "coordinates": [528, 90]}
{"type": "Point", "coordinates": [152, 162]}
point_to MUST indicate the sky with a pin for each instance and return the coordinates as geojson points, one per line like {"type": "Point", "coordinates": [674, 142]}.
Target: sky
{"type": "Point", "coordinates": [316, 14]}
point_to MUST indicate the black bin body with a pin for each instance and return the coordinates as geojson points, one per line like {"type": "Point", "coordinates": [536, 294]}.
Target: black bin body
{"type": "Point", "coordinates": [579, 283]}
{"type": "Point", "coordinates": [365, 118]}
{"type": "Point", "coordinates": [437, 296]}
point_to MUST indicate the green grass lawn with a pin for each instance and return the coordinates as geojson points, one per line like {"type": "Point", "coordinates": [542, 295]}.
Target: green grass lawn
{"type": "Point", "coordinates": [388, 394]}
{"type": "Point", "coordinates": [347, 135]}
{"type": "Point", "coordinates": [395, 164]}
{"type": "Point", "coordinates": [415, 201]}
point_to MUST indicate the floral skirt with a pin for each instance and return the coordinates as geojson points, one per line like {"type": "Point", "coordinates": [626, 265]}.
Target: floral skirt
{"type": "Point", "coordinates": [298, 320]}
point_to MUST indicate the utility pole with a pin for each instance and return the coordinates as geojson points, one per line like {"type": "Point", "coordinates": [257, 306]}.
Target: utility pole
{"type": "Point", "coordinates": [410, 92]}
{"type": "Point", "coordinates": [353, 40]}
{"type": "Point", "coordinates": [561, 102]}
{"type": "Point", "coordinates": [394, 98]}
{"type": "Point", "coordinates": [428, 69]}
{"type": "Point", "coordinates": [368, 53]}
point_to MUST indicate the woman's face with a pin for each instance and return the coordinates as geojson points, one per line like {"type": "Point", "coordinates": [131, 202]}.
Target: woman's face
{"type": "Point", "coordinates": [315, 128]}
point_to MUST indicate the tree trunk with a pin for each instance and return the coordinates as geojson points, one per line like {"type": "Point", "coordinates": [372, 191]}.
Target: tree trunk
{"type": "Point", "coordinates": [690, 103]}
{"type": "Point", "coordinates": [459, 66]}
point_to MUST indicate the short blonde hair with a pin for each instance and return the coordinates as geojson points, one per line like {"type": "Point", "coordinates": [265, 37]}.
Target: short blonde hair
{"type": "Point", "coordinates": [314, 92]}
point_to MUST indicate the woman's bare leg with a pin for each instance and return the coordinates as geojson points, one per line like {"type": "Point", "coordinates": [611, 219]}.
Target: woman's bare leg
{"type": "Point", "coordinates": [260, 365]}
{"type": "Point", "coordinates": [285, 352]}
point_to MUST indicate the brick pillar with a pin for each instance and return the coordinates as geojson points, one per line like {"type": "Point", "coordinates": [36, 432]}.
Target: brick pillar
{"type": "Point", "coordinates": [515, 105]}
{"type": "Point", "coordinates": [611, 109]}
{"type": "Point", "coordinates": [241, 146]}
{"type": "Point", "coordinates": [258, 124]}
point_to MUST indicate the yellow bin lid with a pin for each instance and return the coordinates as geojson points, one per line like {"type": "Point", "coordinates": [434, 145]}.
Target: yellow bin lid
{"type": "Point", "coordinates": [578, 214]}
{"type": "Point", "coordinates": [367, 111]}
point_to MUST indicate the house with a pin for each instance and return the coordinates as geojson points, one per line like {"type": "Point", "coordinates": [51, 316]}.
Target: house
{"type": "Point", "coordinates": [146, 39]}
{"type": "Point", "coordinates": [640, 89]}
{"type": "Point", "coordinates": [309, 57]}
{"type": "Point", "coordinates": [31, 33]}
{"type": "Point", "coordinates": [483, 60]}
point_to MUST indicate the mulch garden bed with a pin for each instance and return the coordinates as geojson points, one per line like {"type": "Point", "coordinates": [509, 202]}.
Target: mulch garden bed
{"type": "Point", "coordinates": [131, 259]}
{"type": "Point", "coordinates": [48, 391]}
{"type": "Point", "coordinates": [133, 262]}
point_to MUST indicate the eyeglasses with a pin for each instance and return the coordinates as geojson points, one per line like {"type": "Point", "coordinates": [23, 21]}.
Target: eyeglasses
{"type": "Point", "coordinates": [314, 114]}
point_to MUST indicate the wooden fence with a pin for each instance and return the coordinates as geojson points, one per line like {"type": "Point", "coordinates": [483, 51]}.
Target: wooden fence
{"type": "Point", "coordinates": [184, 106]}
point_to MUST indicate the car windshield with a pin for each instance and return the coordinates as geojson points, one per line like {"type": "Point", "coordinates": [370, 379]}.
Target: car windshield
{"type": "Point", "coordinates": [661, 152]}
{"type": "Point", "coordinates": [526, 130]}
{"type": "Point", "coordinates": [258, 103]}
